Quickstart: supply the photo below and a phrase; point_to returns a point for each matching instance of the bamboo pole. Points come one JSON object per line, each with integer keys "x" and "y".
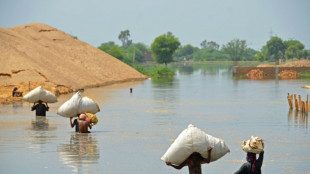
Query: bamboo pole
{"x": 306, "y": 104}
{"x": 299, "y": 102}
{"x": 289, "y": 100}
{"x": 302, "y": 106}
{"x": 296, "y": 105}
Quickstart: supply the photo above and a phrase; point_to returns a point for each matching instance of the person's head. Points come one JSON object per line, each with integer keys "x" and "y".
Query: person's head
{"x": 195, "y": 156}
{"x": 82, "y": 117}
{"x": 40, "y": 101}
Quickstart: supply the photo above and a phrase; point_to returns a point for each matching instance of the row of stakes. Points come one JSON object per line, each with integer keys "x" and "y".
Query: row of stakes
{"x": 302, "y": 106}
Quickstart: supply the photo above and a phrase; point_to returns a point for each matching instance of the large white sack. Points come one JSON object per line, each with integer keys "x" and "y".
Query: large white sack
{"x": 40, "y": 93}
{"x": 254, "y": 145}
{"x": 191, "y": 140}
{"x": 77, "y": 105}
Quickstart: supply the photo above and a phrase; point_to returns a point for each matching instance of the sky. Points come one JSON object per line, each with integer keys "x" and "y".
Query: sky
{"x": 99, "y": 21}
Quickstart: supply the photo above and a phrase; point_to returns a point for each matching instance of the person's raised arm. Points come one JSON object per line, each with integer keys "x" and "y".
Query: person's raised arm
{"x": 72, "y": 125}
{"x": 259, "y": 161}
{"x": 47, "y": 107}
{"x": 179, "y": 166}
{"x": 33, "y": 106}
{"x": 209, "y": 156}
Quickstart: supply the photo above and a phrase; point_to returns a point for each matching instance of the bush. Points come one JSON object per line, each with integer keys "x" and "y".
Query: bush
{"x": 155, "y": 71}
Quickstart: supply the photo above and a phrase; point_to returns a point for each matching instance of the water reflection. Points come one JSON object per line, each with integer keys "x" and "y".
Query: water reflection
{"x": 80, "y": 153}
{"x": 163, "y": 82}
{"x": 40, "y": 123}
{"x": 16, "y": 107}
{"x": 186, "y": 69}
{"x": 300, "y": 119}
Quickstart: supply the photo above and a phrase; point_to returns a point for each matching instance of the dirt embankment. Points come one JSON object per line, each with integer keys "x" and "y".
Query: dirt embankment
{"x": 38, "y": 54}
{"x": 298, "y": 63}
{"x": 288, "y": 70}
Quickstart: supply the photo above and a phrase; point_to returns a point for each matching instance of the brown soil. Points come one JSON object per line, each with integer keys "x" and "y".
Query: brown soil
{"x": 297, "y": 63}
{"x": 256, "y": 74}
{"x": 43, "y": 55}
{"x": 288, "y": 74}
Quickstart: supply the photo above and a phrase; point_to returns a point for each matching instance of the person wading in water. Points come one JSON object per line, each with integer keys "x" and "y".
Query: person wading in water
{"x": 193, "y": 162}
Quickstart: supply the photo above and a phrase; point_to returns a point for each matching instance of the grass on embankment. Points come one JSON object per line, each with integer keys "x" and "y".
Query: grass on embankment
{"x": 155, "y": 71}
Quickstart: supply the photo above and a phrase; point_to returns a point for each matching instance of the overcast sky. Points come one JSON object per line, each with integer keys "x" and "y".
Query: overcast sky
{"x": 99, "y": 21}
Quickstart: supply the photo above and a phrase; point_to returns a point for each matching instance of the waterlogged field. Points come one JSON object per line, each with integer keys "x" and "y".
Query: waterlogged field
{"x": 135, "y": 129}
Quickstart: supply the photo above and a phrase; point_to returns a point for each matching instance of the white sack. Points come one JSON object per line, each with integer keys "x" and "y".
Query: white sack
{"x": 193, "y": 140}
{"x": 254, "y": 145}
{"x": 77, "y": 105}
{"x": 40, "y": 93}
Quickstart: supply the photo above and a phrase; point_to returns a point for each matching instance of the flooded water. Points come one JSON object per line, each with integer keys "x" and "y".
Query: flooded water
{"x": 135, "y": 129}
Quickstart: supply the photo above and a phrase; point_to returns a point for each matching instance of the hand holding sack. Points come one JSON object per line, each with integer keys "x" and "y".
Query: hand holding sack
{"x": 77, "y": 105}
{"x": 191, "y": 140}
{"x": 40, "y": 93}
{"x": 254, "y": 145}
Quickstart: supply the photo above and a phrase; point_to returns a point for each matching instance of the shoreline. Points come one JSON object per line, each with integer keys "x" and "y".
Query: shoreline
{"x": 6, "y": 91}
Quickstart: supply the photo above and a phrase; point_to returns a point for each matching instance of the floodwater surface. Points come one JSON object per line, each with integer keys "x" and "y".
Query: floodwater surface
{"x": 135, "y": 129}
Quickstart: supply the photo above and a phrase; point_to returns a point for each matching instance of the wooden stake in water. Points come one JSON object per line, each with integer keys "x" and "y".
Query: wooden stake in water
{"x": 296, "y": 105}
{"x": 289, "y": 100}
{"x": 306, "y": 105}
{"x": 299, "y": 102}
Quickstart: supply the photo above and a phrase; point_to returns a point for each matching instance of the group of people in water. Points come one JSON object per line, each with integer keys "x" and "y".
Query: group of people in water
{"x": 194, "y": 161}
{"x": 81, "y": 124}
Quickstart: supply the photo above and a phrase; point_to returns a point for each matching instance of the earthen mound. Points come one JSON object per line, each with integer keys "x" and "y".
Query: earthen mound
{"x": 256, "y": 74}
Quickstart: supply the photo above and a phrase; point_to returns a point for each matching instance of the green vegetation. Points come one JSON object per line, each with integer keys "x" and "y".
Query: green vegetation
{"x": 134, "y": 53}
{"x": 155, "y": 71}
{"x": 235, "y": 49}
{"x": 276, "y": 49}
{"x": 166, "y": 48}
{"x": 304, "y": 74}
{"x": 163, "y": 48}
{"x": 124, "y": 38}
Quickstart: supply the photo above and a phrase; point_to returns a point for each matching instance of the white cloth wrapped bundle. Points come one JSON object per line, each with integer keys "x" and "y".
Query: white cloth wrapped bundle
{"x": 40, "y": 93}
{"x": 77, "y": 105}
{"x": 193, "y": 140}
{"x": 254, "y": 145}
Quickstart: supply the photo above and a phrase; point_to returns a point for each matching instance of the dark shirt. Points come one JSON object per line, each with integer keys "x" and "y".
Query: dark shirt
{"x": 76, "y": 123}
{"x": 40, "y": 109}
{"x": 246, "y": 167}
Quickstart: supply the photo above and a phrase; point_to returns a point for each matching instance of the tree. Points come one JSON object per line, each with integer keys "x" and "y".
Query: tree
{"x": 112, "y": 49}
{"x": 249, "y": 54}
{"x": 276, "y": 48}
{"x": 235, "y": 49}
{"x": 294, "y": 49}
{"x": 206, "y": 45}
{"x": 106, "y": 47}
{"x": 117, "y": 52}
{"x": 124, "y": 38}
{"x": 136, "y": 52}
{"x": 203, "y": 44}
{"x": 185, "y": 51}
{"x": 260, "y": 56}
{"x": 163, "y": 48}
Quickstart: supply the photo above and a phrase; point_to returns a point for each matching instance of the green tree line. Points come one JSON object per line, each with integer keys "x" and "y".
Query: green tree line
{"x": 167, "y": 48}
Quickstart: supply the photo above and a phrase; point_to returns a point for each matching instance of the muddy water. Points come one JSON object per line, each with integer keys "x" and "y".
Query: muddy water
{"x": 135, "y": 129}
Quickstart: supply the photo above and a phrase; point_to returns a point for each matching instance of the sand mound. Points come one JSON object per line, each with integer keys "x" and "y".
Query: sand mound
{"x": 288, "y": 74}
{"x": 42, "y": 54}
{"x": 256, "y": 74}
